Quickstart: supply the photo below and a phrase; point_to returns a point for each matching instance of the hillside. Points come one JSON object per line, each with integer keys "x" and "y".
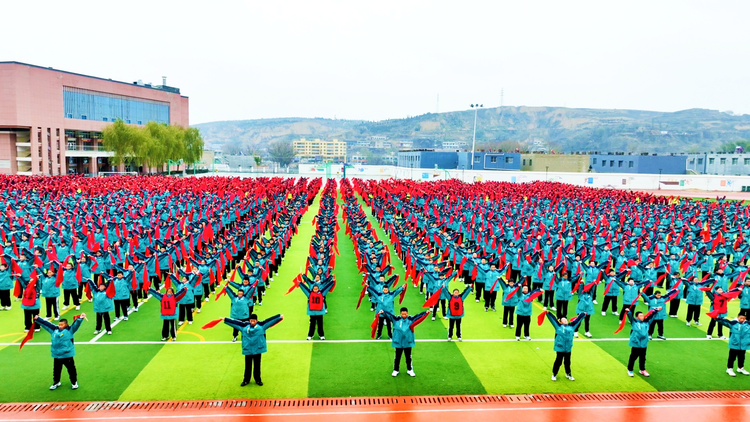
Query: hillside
{"x": 563, "y": 129}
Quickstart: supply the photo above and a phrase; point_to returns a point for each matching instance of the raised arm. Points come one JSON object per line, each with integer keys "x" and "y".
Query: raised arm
{"x": 271, "y": 322}
{"x": 578, "y": 320}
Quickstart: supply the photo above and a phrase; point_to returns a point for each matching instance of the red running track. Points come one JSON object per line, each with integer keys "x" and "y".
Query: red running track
{"x": 683, "y": 407}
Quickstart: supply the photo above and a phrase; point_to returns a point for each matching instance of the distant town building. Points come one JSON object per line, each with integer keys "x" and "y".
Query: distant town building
{"x": 574, "y": 163}
{"x": 637, "y": 163}
{"x": 490, "y": 161}
{"x": 358, "y": 159}
{"x": 406, "y": 144}
{"x": 317, "y": 150}
{"x": 454, "y": 145}
{"x": 723, "y": 164}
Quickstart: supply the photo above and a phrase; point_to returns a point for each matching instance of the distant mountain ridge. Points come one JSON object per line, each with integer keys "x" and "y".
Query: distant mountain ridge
{"x": 564, "y": 129}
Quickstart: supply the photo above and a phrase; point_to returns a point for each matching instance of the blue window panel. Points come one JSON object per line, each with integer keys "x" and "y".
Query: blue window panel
{"x": 91, "y": 105}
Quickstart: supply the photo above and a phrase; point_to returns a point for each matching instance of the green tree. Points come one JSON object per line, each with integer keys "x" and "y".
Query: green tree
{"x": 281, "y": 152}
{"x": 257, "y": 159}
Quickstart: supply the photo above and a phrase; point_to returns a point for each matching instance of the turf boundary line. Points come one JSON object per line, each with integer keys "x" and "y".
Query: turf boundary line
{"x": 121, "y": 416}
{"x": 428, "y": 340}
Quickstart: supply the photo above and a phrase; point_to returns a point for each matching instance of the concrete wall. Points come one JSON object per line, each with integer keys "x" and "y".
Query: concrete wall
{"x": 596, "y": 180}
{"x": 555, "y": 162}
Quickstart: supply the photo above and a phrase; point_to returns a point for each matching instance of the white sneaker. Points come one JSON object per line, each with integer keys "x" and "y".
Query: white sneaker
{"x": 433, "y": 318}
{"x": 528, "y": 338}
{"x": 235, "y": 339}
{"x": 96, "y": 332}
{"x": 206, "y": 300}
{"x": 54, "y": 386}
{"x": 461, "y": 340}
{"x": 553, "y": 308}
{"x": 688, "y": 323}
{"x": 554, "y": 378}
{"x": 323, "y": 338}
{"x": 74, "y": 386}
{"x": 199, "y": 310}
{"x": 588, "y": 334}
{"x": 604, "y": 314}
{"x": 596, "y": 303}
{"x": 709, "y": 337}
{"x": 720, "y": 338}
{"x": 190, "y": 322}
{"x": 394, "y": 373}
{"x": 450, "y": 339}
{"x": 163, "y": 339}
{"x": 411, "y": 373}
{"x": 477, "y": 300}
{"x": 109, "y": 333}
{"x": 181, "y": 322}
{"x": 630, "y": 374}
{"x": 124, "y": 318}
{"x": 731, "y": 372}
{"x": 616, "y": 313}
{"x": 575, "y": 335}
{"x": 78, "y": 308}
{"x": 57, "y": 318}
{"x": 309, "y": 338}
{"x": 698, "y": 324}
{"x": 504, "y": 325}
{"x": 743, "y": 371}
{"x": 518, "y": 338}
{"x": 570, "y": 377}
{"x": 544, "y": 309}
{"x": 445, "y": 317}
{"x": 135, "y": 309}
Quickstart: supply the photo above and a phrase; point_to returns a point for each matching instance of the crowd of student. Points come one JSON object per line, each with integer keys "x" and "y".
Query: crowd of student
{"x": 122, "y": 240}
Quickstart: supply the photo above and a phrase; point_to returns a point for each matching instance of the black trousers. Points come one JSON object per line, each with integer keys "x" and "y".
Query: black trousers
{"x": 252, "y": 365}
{"x": 515, "y": 274}
{"x": 186, "y": 310}
{"x": 736, "y": 354}
{"x": 168, "y": 329}
{"x": 260, "y": 291}
{"x": 383, "y": 320}
{"x": 28, "y": 318}
{"x": 479, "y": 288}
{"x": 694, "y": 313}
{"x": 198, "y": 301}
{"x": 68, "y": 293}
{"x": 206, "y": 290}
{"x": 674, "y": 306}
{"x": 549, "y": 298}
{"x": 407, "y": 355}
{"x": 51, "y": 306}
{"x": 585, "y": 324}
{"x": 236, "y": 331}
{"x": 562, "y": 358}
{"x": 489, "y": 299}
{"x": 5, "y": 298}
{"x": 562, "y": 308}
{"x": 523, "y": 321}
{"x": 135, "y": 295}
{"x": 711, "y": 326}
{"x": 454, "y": 323}
{"x": 103, "y": 316}
{"x": 637, "y": 353}
{"x": 537, "y": 286}
{"x": 435, "y": 308}
{"x": 79, "y": 291}
{"x": 508, "y": 315}
{"x": 121, "y": 305}
{"x": 609, "y": 300}
{"x": 624, "y": 307}
{"x": 69, "y": 365}
{"x": 316, "y": 320}
{"x": 745, "y": 312}
{"x": 657, "y": 323}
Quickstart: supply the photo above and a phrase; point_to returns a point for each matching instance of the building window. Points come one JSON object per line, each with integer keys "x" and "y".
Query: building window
{"x": 476, "y": 158}
{"x": 630, "y": 164}
{"x": 493, "y": 159}
{"x": 619, "y": 163}
{"x": 97, "y": 105}
{"x": 69, "y": 115}
{"x": 83, "y": 117}
{"x": 747, "y": 161}
{"x": 611, "y": 163}
{"x": 524, "y": 161}
{"x": 604, "y": 163}
{"x": 127, "y": 121}
{"x": 692, "y": 161}
{"x": 104, "y": 119}
{"x": 529, "y": 161}
{"x": 735, "y": 161}
{"x": 509, "y": 160}
{"x": 700, "y": 161}
{"x": 140, "y": 122}
{"x": 723, "y": 161}
{"x": 593, "y": 160}
{"x": 711, "y": 160}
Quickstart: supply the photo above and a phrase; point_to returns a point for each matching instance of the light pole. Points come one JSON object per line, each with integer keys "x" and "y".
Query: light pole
{"x": 659, "y": 187}
{"x": 546, "y": 170}
{"x": 474, "y": 137}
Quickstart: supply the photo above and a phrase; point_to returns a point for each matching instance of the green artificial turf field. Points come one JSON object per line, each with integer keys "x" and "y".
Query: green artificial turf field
{"x": 133, "y": 365}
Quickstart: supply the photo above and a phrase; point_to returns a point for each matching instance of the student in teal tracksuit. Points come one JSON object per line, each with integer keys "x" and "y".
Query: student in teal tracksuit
{"x": 103, "y": 305}
{"x": 455, "y": 309}
{"x": 639, "y": 327}
{"x": 383, "y": 301}
{"x": 745, "y": 299}
{"x": 253, "y": 343}
{"x": 631, "y": 291}
{"x": 523, "y": 312}
{"x": 585, "y": 305}
{"x": 658, "y": 304}
{"x": 123, "y": 292}
{"x": 240, "y": 309}
{"x": 612, "y": 293}
{"x": 694, "y": 298}
{"x": 491, "y": 287}
{"x": 50, "y": 293}
{"x": 563, "y": 295}
{"x": 739, "y": 342}
{"x": 403, "y": 337}
{"x": 563, "y": 343}
{"x": 63, "y": 348}
{"x": 510, "y": 300}
{"x": 316, "y": 307}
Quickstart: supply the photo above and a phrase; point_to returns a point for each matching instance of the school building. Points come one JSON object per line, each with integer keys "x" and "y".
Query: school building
{"x": 51, "y": 121}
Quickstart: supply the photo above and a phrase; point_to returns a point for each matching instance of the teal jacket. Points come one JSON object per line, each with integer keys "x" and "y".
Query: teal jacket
{"x": 102, "y": 302}
{"x": 6, "y": 281}
{"x": 523, "y": 308}
{"x": 654, "y": 303}
{"x": 253, "y": 336}
{"x": 745, "y": 298}
{"x": 49, "y": 289}
{"x": 639, "y": 330}
{"x": 323, "y": 290}
{"x": 509, "y": 300}
{"x": 564, "y": 333}
{"x": 240, "y": 305}
{"x": 63, "y": 341}
{"x": 159, "y": 297}
{"x": 563, "y": 289}
{"x": 384, "y": 301}
{"x": 446, "y": 294}
{"x": 739, "y": 333}
{"x": 403, "y": 329}
{"x": 123, "y": 286}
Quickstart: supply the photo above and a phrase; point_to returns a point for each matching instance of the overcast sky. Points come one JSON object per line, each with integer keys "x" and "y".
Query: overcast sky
{"x": 389, "y": 59}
